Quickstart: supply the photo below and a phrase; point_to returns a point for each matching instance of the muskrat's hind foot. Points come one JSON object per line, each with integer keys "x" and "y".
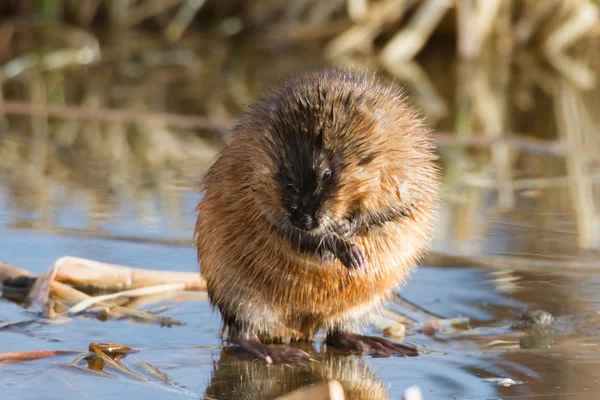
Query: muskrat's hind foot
{"x": 370, "y": 344}
{"x": 351, "y": 256}
{"x": 251, "y": 343}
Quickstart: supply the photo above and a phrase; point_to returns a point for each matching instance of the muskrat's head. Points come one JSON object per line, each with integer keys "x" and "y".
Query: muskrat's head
{"x": 306, "y": 176}
{"x": 333, "y": 145}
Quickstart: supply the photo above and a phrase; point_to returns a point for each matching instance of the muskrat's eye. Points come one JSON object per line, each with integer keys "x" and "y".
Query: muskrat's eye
{"x": 326, "y": 175}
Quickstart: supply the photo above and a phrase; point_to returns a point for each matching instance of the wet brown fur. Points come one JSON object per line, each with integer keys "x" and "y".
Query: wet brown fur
{"x": 388, "y": 180}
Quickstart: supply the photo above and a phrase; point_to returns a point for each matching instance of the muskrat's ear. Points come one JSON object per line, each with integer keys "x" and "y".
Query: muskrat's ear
{"x": 319, "y": 141}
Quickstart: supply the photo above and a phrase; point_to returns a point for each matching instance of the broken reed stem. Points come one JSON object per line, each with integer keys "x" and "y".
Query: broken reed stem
{"x": 21, "y": 356}
{"x": 8, "y": 271}
{"x": 69, "y": 268}
{"x": 73, "y": 296}
{"x": 409, "y": 41}
{"x": 80, "y": 271}
{"x": 145, "y": 291}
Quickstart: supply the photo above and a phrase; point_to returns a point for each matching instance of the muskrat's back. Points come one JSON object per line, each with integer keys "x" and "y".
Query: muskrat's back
{"x": 330, "y": 157}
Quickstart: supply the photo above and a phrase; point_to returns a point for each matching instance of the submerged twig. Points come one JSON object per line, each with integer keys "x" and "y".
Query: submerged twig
{"x": 21, "y": 356}
{"x": 152, "y": 370}
{"x": 98, "y": 350}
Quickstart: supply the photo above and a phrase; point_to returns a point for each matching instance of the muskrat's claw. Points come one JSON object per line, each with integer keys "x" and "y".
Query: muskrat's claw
{"x": 352, "y": 256}
{"x": 375, "y": 345}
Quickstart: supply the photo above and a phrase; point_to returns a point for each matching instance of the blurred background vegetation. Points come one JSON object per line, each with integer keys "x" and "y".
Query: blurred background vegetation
{"x": 108, "y": 99}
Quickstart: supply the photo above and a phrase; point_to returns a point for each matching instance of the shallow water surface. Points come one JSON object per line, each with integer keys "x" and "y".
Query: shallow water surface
{"x": 460, "y": 362}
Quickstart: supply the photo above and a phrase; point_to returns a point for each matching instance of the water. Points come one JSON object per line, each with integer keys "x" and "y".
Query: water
{"x": 65, "y": 193}
{"x": 458, "y": 363}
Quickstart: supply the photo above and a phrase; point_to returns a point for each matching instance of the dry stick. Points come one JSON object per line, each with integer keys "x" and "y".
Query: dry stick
{"x": 357, "y": 9}
{"x": 410, "y": 40}
{"x": 111, "y": 115}
{"x": 361, "y": 35}
{"x": 85, "y": 304}
{"x": 182, "y": 19}
{"x": 173, "y": 297}
{"x": 580, "y": 23}
{"x": 20, "y": 356}
{"x": 39, "y": 295}
{"x": 475, "y": 24}
{"x": 570, "y": 31}
{"x": 72, "y": 296}
{"x": 80, "y": 271}
{"x": 485, "y": 16}
{"x": 10, "y": 271}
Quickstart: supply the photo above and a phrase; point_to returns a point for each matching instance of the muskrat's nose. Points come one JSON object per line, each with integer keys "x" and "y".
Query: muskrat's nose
{"x": 302, "y": 220}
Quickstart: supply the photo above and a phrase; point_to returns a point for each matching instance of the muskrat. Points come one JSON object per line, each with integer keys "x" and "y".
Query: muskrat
{"x": 315, "y": 212}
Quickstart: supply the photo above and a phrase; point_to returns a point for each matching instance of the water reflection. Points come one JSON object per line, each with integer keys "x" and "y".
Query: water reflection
{"x": 254, "y": 381}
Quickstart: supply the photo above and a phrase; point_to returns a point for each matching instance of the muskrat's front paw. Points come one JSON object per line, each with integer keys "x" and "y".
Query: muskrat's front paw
{"x": 352, "y": 256}
{"x": 346, "y": 228}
